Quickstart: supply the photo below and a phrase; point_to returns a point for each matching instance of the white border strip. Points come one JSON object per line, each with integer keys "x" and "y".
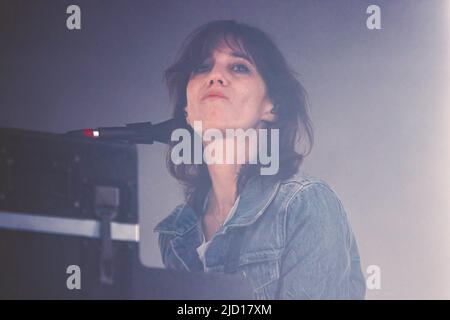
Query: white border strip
{"x": 66, "y": 226}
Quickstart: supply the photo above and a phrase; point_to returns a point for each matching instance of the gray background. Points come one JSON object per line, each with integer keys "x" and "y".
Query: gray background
{"x": 379, "y": 100}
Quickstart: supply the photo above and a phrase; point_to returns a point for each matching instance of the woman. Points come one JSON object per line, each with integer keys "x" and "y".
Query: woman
{"x": 286, "y": 232}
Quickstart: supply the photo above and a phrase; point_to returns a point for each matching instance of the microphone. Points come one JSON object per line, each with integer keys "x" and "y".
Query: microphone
{"x": 140, "y": 132}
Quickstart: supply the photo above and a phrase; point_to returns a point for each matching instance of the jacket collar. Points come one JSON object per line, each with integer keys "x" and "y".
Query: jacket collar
{"x": 254, "y": 199}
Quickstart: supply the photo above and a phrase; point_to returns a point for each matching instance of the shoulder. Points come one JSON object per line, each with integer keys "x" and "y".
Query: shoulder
{"x": 304, "y": 185}
{"x": 170, "y": 224}
{"x": 310, "y": 202}
{"x": 302, "y": 181}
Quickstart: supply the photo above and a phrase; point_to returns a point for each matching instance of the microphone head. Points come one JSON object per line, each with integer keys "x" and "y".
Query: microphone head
{"x": 163, "y": 130}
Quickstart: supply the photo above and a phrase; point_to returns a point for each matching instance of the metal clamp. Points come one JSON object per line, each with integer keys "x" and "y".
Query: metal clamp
{"x": 107, "y": 201}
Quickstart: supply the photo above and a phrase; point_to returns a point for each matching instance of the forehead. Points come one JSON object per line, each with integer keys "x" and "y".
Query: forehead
{"x": 232, "y": 50}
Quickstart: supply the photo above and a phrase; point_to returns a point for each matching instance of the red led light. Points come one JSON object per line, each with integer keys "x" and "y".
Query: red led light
{"x": 88, "y": 133}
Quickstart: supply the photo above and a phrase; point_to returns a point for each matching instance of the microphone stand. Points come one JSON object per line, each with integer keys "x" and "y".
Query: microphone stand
{"x": 138, "y": 133}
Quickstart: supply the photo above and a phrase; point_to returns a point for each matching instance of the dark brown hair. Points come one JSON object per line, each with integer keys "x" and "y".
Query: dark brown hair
{"x": 283, "y": 88}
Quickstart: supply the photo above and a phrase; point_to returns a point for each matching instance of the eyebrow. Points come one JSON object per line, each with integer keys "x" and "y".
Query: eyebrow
{"x": 238, "y": 54}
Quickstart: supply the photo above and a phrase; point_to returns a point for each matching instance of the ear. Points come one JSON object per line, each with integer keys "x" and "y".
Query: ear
{"x": 267, "y": 108}
{"x": 186, "y": 115}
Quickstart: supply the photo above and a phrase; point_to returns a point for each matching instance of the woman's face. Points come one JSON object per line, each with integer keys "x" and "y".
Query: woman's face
{"x": 227, "y": 92}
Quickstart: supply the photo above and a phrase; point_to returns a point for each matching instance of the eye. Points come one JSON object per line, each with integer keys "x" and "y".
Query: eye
{"x": 204, "y": 67}
{"x": 241, "y": 68}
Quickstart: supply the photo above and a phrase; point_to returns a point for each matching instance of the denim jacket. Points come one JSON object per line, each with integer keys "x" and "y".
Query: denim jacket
{"x": 297, "y": 242}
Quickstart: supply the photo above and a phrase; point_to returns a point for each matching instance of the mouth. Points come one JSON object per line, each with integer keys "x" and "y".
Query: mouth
{"x": 213, "y": 96}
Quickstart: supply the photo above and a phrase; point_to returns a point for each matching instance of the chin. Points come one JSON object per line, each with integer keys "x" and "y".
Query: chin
{"x": 218, "y": 123}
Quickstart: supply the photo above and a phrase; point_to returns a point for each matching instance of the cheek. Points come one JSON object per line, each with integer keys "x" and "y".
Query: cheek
{"x": 251, "y": 101}
{"x": 191, "y": 98}
{"x": 190, "y": 92}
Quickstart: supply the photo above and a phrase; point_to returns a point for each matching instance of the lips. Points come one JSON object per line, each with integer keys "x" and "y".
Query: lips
{"x": 214, "y": 94}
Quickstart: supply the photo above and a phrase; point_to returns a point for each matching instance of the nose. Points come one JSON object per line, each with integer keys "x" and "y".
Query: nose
{"x": 217, "y": 76}
{"x": 211, "y": 82}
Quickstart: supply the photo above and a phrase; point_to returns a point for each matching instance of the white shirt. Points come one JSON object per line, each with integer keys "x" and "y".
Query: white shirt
{"x": 204, "y": 246}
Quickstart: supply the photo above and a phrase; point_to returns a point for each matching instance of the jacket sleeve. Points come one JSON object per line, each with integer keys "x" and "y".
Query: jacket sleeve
{"x": 164, "y": 243}
{"x": 321, "y": 259}
{"x": 167, "y": 256}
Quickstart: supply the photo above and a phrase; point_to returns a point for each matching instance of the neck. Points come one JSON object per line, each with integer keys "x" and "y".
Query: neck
{"x": 224, "y": 187}
{"x": 224, "y": 176}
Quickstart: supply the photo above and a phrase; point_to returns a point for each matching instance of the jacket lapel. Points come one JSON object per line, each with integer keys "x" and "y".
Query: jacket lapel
{"x": 186, "y": 225}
